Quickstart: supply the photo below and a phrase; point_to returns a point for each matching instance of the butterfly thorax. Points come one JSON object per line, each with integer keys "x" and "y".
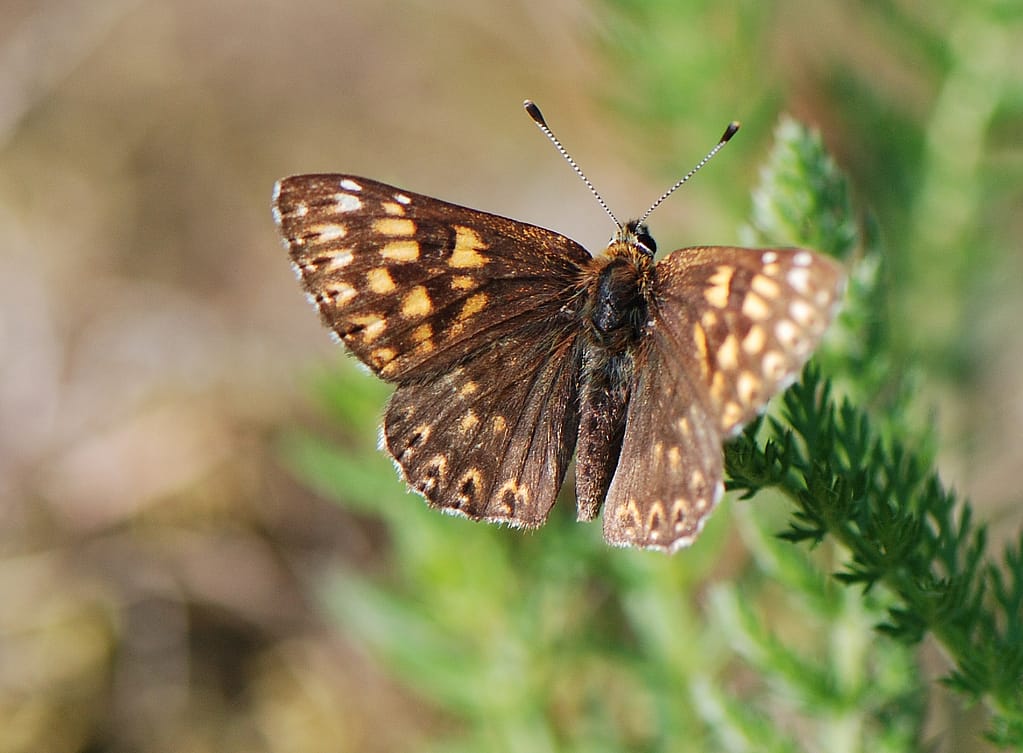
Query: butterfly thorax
{"x": 615, "y": 313}
{"x": 617, "y": 304}
{"x": 618, "y": 287}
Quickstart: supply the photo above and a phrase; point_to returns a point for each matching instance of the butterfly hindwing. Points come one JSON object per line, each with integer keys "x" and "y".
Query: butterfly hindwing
{"x": 411, "y": 284}
{"x": 668, "y": 477}
{"x": 491, "y": 439}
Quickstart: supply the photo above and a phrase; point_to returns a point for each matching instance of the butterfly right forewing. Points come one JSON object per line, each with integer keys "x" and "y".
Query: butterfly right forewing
{"x": 741, "y": 322}
{"x": 728, "y": 328}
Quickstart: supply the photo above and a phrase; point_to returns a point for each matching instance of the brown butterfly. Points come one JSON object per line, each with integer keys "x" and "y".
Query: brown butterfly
{"x": 511, "y": 347}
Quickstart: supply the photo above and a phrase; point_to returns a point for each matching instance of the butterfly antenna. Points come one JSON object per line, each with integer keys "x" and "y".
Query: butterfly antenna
{"x": 537, "y": 116}
{"x": 729, "y": 132}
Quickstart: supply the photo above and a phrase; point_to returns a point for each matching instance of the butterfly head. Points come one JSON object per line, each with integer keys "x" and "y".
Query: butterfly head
{"x": 636, "y": 234}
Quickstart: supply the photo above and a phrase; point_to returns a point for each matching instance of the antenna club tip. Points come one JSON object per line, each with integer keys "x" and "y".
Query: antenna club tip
{"x": 534, "y": 112}
{"x": 732, "y": 129}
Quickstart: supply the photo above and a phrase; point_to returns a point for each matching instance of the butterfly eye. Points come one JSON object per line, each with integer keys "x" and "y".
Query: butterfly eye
{"x": 646, "y": 241}
{"x": 639, "y": 234}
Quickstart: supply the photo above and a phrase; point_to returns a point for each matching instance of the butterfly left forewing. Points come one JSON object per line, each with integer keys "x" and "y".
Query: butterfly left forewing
{"x": 411, "y": 284}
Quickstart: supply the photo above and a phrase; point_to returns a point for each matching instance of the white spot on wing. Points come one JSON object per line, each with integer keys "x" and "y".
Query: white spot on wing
{"x": 786, "y": 333}
{"x": 773, "y": 365}
{"x": 802, "y": 259}
{"x": 343, "y": 293}
{"x": 350, "y": 185}
{"x": 802, "y": 312}
{"x": 402, "y": 198}
{"x": 342, "y": 259}
{"x": 799, "y": 279}
{"x": 332, "y": 232}
{"x": 347, "y": 203}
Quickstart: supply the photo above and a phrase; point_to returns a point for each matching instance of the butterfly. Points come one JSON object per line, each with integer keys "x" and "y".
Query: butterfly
{"x": 513, "y": 348}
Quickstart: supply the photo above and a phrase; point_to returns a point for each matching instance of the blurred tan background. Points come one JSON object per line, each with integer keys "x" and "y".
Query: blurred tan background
{"x": 156, "y": 563}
